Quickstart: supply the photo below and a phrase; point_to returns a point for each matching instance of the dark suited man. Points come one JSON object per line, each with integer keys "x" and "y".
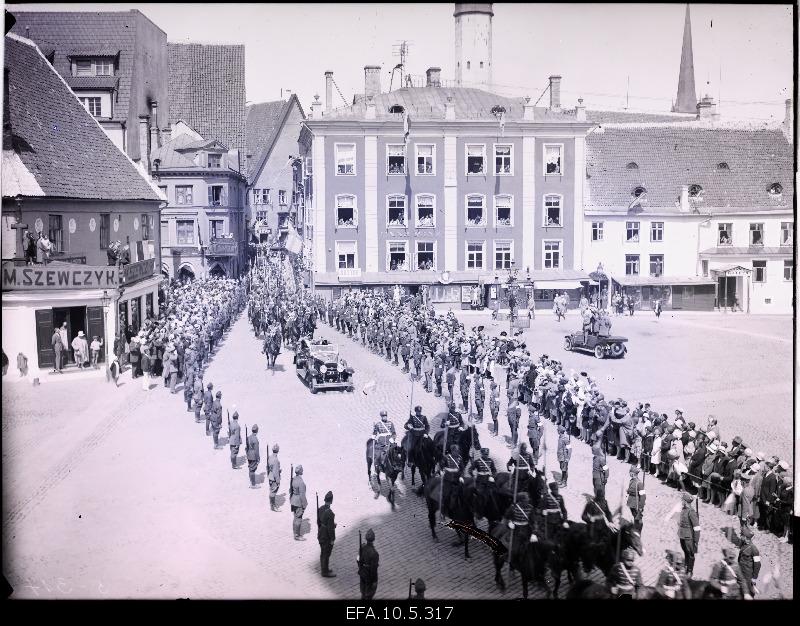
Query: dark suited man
{"x": 326, "y": 535}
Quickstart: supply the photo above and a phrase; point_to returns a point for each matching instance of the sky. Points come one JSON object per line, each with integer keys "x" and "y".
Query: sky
{"x": 612, "y": 55}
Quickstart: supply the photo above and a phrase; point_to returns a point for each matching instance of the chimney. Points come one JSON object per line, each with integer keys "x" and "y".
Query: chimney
{"x": 684, "y": 205}
{"x": 371, "y": 112}
{"x": 433, "y": 77}
{"x": 788, "y": 122}
{"x": 166, "y": 135}
{"x": 527, "y": 109}
{"x": 328, "y": 90}
{"x": 154, "y": 138}
{"x": 706, "y": 108}
{"x": 315, "y": 108}
{"x": 580, "y": 111}
{"x": 555, "y": 93}
{"x": 372, "y": 80}
{"x": 144, "y": 142}
{"x": 449, "y": 109}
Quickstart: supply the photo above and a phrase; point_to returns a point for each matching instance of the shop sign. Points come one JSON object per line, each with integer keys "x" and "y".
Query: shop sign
{"x": 62, "y": 276}
{"x": 134, "y": 272}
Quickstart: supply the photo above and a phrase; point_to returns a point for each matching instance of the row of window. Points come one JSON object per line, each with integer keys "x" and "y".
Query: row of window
{"x": 55, "y": 230}
{"x": 184, "y": 194}
{"x": 398, "y": 258}
{"x": 185, "y": 231}
{"x": 475, "y": 161}
{"x": 725, "y": 234}
{"x": 656, "y": 265}
{"x": 425, "y": 210}
{"x": 631, "y": 231}
{"x": 264, "y": 196}
{"x": 760, "y": 271}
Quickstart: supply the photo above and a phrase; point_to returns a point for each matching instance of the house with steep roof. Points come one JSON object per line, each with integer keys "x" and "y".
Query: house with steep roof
{"x": 696, "y": 214}
{"x": 69, "y": 194}
{"x": 203, "y": 230}
{"x": 278, "y": 157}
{"x": 116, "y": 62}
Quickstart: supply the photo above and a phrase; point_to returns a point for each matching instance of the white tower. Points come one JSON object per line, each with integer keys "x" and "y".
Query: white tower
{"x": 474, "y": 45}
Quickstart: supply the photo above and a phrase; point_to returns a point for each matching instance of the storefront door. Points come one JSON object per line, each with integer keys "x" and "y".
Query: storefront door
{"x": 727, "y": 291}
{"x": 88, "y": 319}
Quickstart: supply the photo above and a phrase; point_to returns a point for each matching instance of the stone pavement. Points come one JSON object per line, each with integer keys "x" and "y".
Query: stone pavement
{"x": 118, "y": 492}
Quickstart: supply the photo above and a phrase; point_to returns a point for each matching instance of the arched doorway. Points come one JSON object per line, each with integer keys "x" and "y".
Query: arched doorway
{"x": 186, "y": 273}
{"x": 217, "y": 271}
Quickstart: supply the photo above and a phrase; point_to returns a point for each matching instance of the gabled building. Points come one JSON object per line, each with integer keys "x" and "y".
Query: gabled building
{"x": 63, "y": 177}
{"x": 203, "y": 227}
{"x": 278, "y": 153}
{"x": 116, "y": 63}
{"x": 698, "y": 214}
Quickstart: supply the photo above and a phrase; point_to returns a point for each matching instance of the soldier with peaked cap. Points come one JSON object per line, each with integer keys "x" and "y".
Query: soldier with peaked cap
{"x": 673, "y": 582}
{"x": 234, "y": 438}
{"x": 253, "y": 456}
{"x": 749, "y": 562}
{"x": 689, "y": 532}
{"x": 197, "y": 396}
{"x": 274, "y": 476}
{"x": 208, "y": 403}
{"x": 563, "y": 454}
{"x": 417, "y": 427}
{"x": 636, "y": 498}
{"x": 494, "y": 405}
{"x": 383, "y": 433}
{"x": 726, "y": 577}
{"x": 368, "y": 567}
{"x": 216, "y": 420}
{"x": 625, "y": 578}
{"x": 298, "y": 502}
{"x": 326, "y": 535}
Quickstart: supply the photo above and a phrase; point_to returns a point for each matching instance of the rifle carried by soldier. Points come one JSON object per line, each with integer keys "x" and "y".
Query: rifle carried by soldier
{"x": 246, "y": 440}
{"x": 360, "y": 553}
{"x": 291, "y": 479}
{"x": 229, "y": 423}
{"x": 410, "y": 586}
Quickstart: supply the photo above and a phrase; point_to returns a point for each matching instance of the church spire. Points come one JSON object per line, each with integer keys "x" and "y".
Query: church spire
{"x": 686, "y": 100}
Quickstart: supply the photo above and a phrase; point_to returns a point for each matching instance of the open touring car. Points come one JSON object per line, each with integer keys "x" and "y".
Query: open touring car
{"x": 601, "y": 346}
{"x": 318, "y": 365}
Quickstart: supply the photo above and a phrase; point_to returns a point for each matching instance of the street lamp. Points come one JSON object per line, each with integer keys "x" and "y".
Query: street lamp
{"x": 105, "y": 300}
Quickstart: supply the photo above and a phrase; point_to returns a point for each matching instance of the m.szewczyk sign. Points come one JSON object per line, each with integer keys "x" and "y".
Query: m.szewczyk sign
{"x": 52, "y": 277}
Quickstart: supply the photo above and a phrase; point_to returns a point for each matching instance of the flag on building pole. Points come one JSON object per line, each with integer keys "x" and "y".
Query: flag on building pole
{"x": 199, "y": 238}
{"x": 637, "y": 201}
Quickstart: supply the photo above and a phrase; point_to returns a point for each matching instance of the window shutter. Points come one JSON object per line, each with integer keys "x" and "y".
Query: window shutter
{"x": 96, "y": 326}
{"x": 44, "y": 333}
{"x": 210, "y": 196}
{"x": 224, "y": 197}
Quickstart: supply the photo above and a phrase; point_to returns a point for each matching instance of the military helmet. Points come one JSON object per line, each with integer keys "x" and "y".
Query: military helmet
{"x": 370, "y": 536}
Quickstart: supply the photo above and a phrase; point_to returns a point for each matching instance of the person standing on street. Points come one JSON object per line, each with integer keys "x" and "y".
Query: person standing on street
{"x": 298, "y": 502}
{"x": 494, "y": 405}
{"x": 599, "y": 475}
{"x": 689, "y": 532}
{"x": 564, "y": 453}
{"x": 253, "y": 456}
{"x": 326, "y": 535}
{"x": 636, "y": 498}
{"x": 216, "y": 420}
{"x": 513, "y": 413}
{"x": 208, "y": 403}
{"x": 368, "y": 562}
{"x": 58, "y": 349}
{"x": 749, "y": 562}
{"x": 274, "y": 476}
{"x": 197, "y": 396}
{"x": 234, "y": 439}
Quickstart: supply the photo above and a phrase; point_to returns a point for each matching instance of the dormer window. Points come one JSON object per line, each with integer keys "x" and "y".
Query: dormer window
{"x": 723, "y": 167}
{"x": 214, "y": 160}
{"x": 695, "y": 191}
{"x": 93, "y": 67}
{"x": 397, "y": 108}
{"x": 638, "y": 191}
{"x": 632, "y": 166}
{"x": 775, "y": 190}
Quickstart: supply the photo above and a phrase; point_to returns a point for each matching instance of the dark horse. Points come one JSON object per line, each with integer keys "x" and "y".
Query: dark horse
{"x": 272, "y": 348}
{"x": 391, "y": 465}
{"x": 586, "y": 589}
{"x": 456, "y": 507}
{"x": 421, "y": 457}
{"x": 465, "y": 439}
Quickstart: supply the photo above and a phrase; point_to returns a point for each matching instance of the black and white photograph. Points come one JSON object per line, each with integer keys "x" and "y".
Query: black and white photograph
{"x": 397, "y": 305}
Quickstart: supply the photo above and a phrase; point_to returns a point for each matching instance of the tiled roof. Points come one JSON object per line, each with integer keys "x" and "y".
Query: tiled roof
{"x": 57, "y": 140}
{"x": 263, "y": 125}
{"x": 92, "y": 51}
{"x": 207, "y": 91}
{"x": 749, "y": 251}
{"x": 170, "y": 158}
{"x": 429, "y": 103}
{"x": 671, "y": 155}
{"x": 92, "y": 82}
{"x": 85, "y": 32}
{"x": 610, "y": 117}
{"x": 200, "y": 143}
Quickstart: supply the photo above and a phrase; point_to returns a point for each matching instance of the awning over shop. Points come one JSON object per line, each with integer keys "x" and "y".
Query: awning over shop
{"x": 557, "y": 284}
{"x": 644, "y": 281}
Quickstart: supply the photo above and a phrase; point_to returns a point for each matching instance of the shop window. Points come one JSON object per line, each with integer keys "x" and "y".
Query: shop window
{"x": 503, "y": 255}
{"x": 396, "y": 210}
{"x": 425, "y": 255}
{"x": 398, "y": 256}
{"x": 552, "y": 255}
{"x": 425, "y": 211}
{"x": 787, "y": 233}
{"x": 476, "y": 158}
{"x": 597, "y": 231}
{"x": 632, "y": 232}
{"x": 502, "y": 160}
{"x": 656, "y": 265}
{"x": 395, "y": 159}
{"x": 476, "y": 214}
{"x": 346, "y": 211}
{"x": 552, "y": 210}
{"x": 504, "y": 210}
{"x": 475, "y": 255}
{"x": 184, "y": 232}
{"x": 657, "y": 231}
{"x": 756, "y": 234}
{"x": 425, "y": 159}
{"x": 345, "y": 159}
{"x": 552, "y": 160}
{"x": 631, "y": 264}
{"x": 725, "y": 231}
{"x": 760, "y": 271}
